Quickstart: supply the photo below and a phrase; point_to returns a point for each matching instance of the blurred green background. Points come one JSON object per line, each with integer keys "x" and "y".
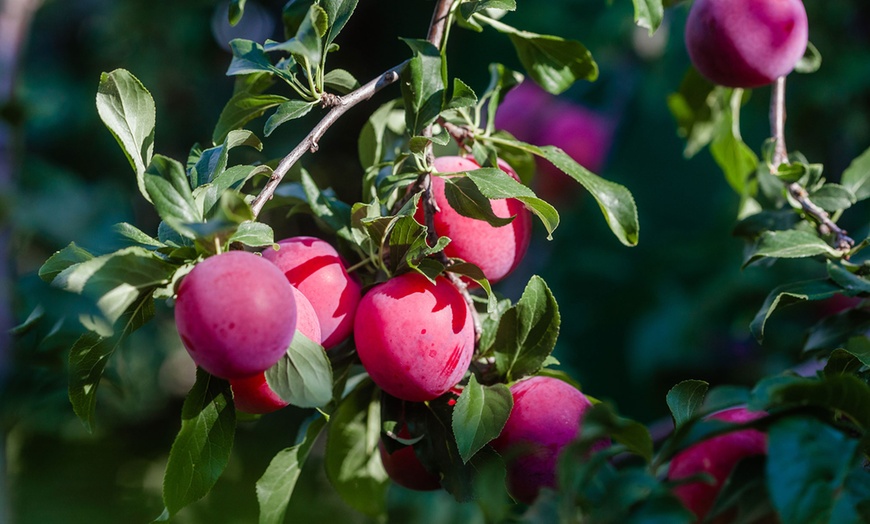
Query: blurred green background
{"x": 634, "y": 320}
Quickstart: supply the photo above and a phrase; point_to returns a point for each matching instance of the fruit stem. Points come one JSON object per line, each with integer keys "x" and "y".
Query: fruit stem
{"x": 797, "y": 192}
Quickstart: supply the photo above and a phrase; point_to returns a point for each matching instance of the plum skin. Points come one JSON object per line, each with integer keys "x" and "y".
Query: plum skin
{"x": 315, "y": 268}
{"x": 234, "y": 314}
{"x": 546, "y": 416}
{"x": 716, "y": 456}
{"x": 414, "y": 338}
{"x": 253, "y": 394}
{"x": 495, "y": 250}
{"x": 406, "y": 470}
{"x": 746, "y": 43}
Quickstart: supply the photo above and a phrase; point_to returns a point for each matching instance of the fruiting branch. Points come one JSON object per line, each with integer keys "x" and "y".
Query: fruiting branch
{"x": 797, "y": 192}
{"x": 340, "y": 105}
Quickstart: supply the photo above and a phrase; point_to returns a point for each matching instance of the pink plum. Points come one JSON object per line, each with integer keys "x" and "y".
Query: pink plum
{"x": 414, "y": 338}
{"x": 522, "y": 111}
{"x": 253, "y": 394}
{"x": 546, "y": 416}
{"x": 236, "y": 314}
{"x": 495, "y": 250}
{"x": 717, "y": 457}
{"x": 746, "y": 43}
{"x": 315, "y": 268}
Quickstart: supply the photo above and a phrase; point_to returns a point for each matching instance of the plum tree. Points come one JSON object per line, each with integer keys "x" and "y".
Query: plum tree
{"x": 495, "y": 250}
{"x": 315, "y": 268}
{"x": 546, "y": 416}
{"x": 236, "y": 314}
{"x": 716, "y": 457}
{"x": 746, "y": 43}
{"x": 414, "y": 337}
{"x": 253, "y": 394}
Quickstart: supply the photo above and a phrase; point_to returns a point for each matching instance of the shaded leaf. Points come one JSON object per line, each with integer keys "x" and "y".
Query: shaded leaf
{"x": 241, "y": 109}
{"x": 303, "y": 376}
{"x": 422, "y": 86}
{"x": 289, "y": 110}
{"x": 236, "y": 10}
{"x": 685, "y": 398}
{"x": 479, "y": 416}
{"x": 789, "y": 294}
{"x": 466, "y": 199}
{"x": 856, "y": 177}
{"x": 792, "y": 243}
{"x": 61, "y": 260}
{"x": 494, "y": 184}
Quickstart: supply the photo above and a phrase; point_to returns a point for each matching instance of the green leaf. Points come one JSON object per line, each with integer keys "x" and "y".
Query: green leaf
{"x": 303, "y": 376}
{"x": 849, "y": 281}
{"x": 789, "y": 294}
{"x": 791, "y": 243}
{"x": 276, "y": 485}
{"x": 241, "y": 109}
{"x": 332, "y": 212}
{"x": 734, "y": 157}
{"x": 253, "y": 234}
{"x": 127, "y": 109}
{"x": 501, "y": 81}
{"x": 811, "y": 61}
{"x": 698, "y": 107}
{"x": 338, "y": 12}
{"x": 466, "y": 9}
{"x": 168, "y": 187}
{"x": 90, "y": 354}
{"x": 859, "y": 347}
{"x": 527, "y": 332}
{"x": 463, "y": 196}
{"x": 553, "y": 63}
{"x": 685, "y": 398}
{"x": 845, "y": 394}
{"x": 307, "y": 44}
{"x": 856, "y": 177}
{"x": 469, "y": 270}
{"x": 208, "y": 196}
{"x": 250, "y": 57}
{"x": 601, "y": 422}
{"x": 833, "y": 197}
{"x": 836, "y": 330}
{"x": 340, "y": 80}
{"x": 422, "y": 86}
{"x": 289, "y": 110}
{"x": 115, "y": 281}
{"x": 352, "y": 461}
{"x": 61, "y": 260}
{"x": 494, "y": 184}
{"x": 213, "y": 161}
{"x": 136, "y": 235}
{"x": 236, "y": 10}
{"x": 479, "y": 416}
{"x": 616, "y": 202}
{"x": 808, "y": 464}
{"x": 648, "y": 14}
{"x": 202, "y": 448}
{"x": 462, "y": 96}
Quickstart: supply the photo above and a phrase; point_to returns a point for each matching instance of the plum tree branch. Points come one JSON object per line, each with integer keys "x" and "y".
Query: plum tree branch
{"x": 340, "y": 105}
{"x": 826, "y": 226}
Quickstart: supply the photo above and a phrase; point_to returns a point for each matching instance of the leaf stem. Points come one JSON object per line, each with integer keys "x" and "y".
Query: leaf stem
{"x": 826, "y": 226}
{"x": 310, "y": 142}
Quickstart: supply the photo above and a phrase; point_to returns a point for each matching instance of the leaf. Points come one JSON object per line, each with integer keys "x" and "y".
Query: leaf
{"x": 479, "y": 416}
{"x": 352, "y": 461}
{"x": 90, "y": 354}
{"x": 250, "y": 57}
{"x": 789, "y": 294}
{"x": 236, "y": 10}
{"x": 527, "y": 332}
{"x": 616, "y": 202}
{"x": 340, "y": 80}
{"x": 494, "y": 184}
{"x": 253, "y": 234}
{"x": 791, "y": 243}
{"x": 209, "y": 195}
{"x": 422, "y": 86}
{"x": 648, "y": 14}
{"x": 464, "y": 197}
{"x": 462, "y": 96}
{"x": 808, "y": 464}
{"x": 168, "y": 187}
{"x": 289, "y": 110}
{"x": 845, "y": 394}
{"x": 811, "y": 61}
{"x": 833, "y": 197}
{"x": 856, "y": 177}
{"x": 62, "y": 260}
{"x": 553, "y": 63}
{"x": 602, "y": 422}
{"x": 202, "y": 448}
{"x": 136, "y": 235}
{"x": 834, "y": 331}
{"x": 303, "y": 376}
{"x": 466, "y": 9}
{"x": 734, "y": 157}
{"x": 306, "y": 46}
{"x": 241, "y": 109}
{"x": 338, "y": 12}
{"x": 331, "y": 211}
{"x": 276, "y": 485}
{"x": 698, "y": 107}
{"x": 213, "y": 161}
{"x": 849, "y": 281}
{"x": 127, "y": 109}
{"x": 115, "y": 281}
{"x": 685, "y": 398}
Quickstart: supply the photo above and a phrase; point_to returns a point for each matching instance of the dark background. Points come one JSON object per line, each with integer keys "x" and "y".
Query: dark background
{"x": 634, "y": 320}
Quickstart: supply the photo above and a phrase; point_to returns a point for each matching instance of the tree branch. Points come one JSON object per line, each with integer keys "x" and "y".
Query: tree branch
{"x": 340, "y": 106}
{"x": 826, "y": 226}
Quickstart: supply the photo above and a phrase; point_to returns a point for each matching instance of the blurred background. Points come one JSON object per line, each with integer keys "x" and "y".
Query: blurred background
{"x": 634, "y": 320}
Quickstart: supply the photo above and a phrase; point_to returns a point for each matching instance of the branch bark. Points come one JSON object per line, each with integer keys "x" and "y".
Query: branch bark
{"x": 825, "y": 225}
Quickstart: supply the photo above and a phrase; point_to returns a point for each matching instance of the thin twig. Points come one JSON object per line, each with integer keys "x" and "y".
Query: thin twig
{"x": 797, "y": 192}
{"x": 310, "y": 143}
